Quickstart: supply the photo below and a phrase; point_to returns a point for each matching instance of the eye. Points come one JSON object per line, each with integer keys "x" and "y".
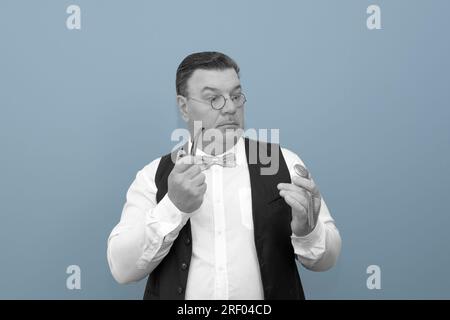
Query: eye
{"x": 235, "y": 97}
{"x": 214, "y": 99}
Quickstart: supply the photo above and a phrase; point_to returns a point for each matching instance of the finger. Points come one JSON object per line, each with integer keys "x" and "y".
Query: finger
{"x": 293, "y": 188}
{"x": 198, "y": 179}
{"x": 193, "y": 171}
{"x": 181, "y": 167}
{"x": 304, "y": 201}
{"x": 301, "y": 200}
{"x": 294, "y": 204}
{"x": 189, "y": 159}
{"x": 186, "y": 162}
{"x": 183, "y": 164}
{"x": 201, "y": 189}
{"x": 307, "y": 184}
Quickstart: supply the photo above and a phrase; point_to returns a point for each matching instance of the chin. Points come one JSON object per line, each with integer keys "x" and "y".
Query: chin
{"x": 232, "y": 133}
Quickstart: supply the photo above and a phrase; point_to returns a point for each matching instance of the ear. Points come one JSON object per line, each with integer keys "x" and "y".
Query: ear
{"x": 182, "y": 104}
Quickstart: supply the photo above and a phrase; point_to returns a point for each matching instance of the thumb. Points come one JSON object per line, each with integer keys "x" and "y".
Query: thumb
{"x": 186, "y": 162}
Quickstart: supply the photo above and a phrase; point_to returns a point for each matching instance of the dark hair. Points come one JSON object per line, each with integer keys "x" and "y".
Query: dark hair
{"x": 208, "y": 60}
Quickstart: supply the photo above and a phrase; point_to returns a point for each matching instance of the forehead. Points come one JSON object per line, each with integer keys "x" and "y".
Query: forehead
{"x": 223, "y": 80}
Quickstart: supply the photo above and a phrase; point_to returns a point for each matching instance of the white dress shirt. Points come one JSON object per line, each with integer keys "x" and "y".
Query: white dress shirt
{"x": 224, "y": 263}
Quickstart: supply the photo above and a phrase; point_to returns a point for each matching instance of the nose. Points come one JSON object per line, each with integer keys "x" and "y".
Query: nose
{"x": 229, "y": 106}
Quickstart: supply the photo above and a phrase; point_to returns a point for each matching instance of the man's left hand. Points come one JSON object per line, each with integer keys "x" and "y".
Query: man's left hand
{"x": 297, "y": 195}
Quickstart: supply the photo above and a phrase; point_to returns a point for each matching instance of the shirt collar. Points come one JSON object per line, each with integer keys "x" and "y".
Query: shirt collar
{"x": 238, "y": 149}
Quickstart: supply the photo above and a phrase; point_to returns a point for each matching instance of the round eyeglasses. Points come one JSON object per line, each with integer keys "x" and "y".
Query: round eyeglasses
{"x": 217, "y": 102}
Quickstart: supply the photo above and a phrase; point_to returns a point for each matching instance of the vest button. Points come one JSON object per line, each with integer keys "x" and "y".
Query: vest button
{"x": 180, "y": 290}
{"x": 187, "y": 241}
{"x": 184, "y": 266}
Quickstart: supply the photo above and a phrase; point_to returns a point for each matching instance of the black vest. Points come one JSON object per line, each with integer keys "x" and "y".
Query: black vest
{"x": 272, "y": 231}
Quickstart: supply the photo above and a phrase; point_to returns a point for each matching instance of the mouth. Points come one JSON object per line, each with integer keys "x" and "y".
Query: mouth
{"x": 228, "y": 125}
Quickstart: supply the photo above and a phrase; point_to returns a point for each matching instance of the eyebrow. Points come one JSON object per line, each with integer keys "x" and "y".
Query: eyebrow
{"x": 217, "y": 90}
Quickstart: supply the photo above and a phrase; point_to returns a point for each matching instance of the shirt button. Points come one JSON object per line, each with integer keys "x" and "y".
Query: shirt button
{"x": 180, "y": 290}
{"x": 187, "y": 241}
{"x": 184, "y": 266}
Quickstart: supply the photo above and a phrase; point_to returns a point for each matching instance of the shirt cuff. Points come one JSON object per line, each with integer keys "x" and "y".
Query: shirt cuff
{"x": 311, "y": 246}
{"x": 166, "y": 217}
{"x": 163, "y": 220}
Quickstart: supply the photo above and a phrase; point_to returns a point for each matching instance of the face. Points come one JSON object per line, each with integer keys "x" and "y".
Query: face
{"x": 201, "y": 87}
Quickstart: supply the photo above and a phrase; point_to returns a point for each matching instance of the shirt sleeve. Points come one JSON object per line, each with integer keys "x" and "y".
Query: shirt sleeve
{"x": 146, "y": 229}
{"x": 318, "y": 250}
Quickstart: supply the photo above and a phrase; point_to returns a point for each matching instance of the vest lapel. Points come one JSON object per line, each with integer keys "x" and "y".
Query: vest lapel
{"x": 271, "y": 223}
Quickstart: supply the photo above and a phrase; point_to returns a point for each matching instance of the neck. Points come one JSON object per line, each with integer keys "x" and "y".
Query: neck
{"x": 217, "y": 146}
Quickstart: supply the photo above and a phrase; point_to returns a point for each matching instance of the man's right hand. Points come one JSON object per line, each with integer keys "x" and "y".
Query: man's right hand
{"x": 186, "y": 185}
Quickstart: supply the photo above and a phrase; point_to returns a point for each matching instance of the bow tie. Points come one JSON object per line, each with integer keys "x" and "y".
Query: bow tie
{"x": 227, "y": 160}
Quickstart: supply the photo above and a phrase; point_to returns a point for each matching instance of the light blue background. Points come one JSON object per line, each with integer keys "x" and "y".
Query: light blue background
{"x": 83, "y": 111}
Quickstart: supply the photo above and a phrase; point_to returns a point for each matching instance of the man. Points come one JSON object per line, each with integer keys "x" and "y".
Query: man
{"x": 218, "y": 228}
